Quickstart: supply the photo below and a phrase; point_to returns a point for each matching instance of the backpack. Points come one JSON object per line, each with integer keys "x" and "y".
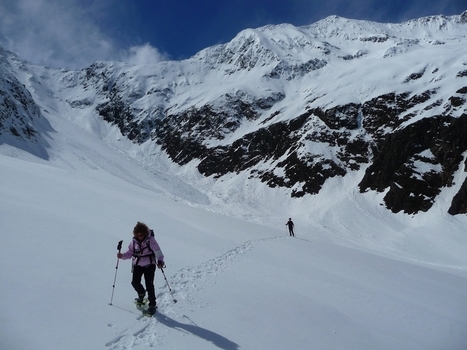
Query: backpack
{"x": 148, "y": 245}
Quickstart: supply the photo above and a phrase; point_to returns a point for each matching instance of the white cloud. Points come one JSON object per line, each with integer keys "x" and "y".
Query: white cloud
{"x": 52, "y": 33}
{"x": 66, "y": 33}
{"x": 144, "y": 54}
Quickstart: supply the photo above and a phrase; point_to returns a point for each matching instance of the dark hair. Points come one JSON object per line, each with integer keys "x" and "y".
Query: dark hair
{"x": 141, "y": 227}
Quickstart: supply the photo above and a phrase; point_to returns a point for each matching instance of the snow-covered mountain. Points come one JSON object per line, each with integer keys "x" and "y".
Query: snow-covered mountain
{"x": 215, "y": 153}
{"x": 293, "y": 107}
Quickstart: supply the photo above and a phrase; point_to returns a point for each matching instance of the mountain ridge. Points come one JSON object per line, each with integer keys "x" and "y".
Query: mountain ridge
{"x": 290, "y": 106}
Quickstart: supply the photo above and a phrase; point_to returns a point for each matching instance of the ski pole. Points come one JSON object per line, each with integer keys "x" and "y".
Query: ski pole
{"x": 119, "y": 248}
{"x": 170, "y": 289}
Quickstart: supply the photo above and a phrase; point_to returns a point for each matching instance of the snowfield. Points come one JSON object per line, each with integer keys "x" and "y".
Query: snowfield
{"x": 355, "y": 276}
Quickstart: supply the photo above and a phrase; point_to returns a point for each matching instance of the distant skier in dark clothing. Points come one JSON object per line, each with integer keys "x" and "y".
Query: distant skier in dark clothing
{"x": 291, "y": 226}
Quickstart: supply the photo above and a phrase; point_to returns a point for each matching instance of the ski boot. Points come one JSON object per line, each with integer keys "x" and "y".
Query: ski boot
{"x": 151, "y": 310}
{"x": 140, "y": 301}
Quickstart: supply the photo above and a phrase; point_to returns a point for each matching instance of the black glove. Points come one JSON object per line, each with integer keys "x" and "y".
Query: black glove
{"x": 160, "y": 264}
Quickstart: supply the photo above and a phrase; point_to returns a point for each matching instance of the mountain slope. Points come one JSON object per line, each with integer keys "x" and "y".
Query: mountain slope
{"x": 239, "y": 284}
{"x": 296, "y": 107}
{"x": 21, "y": 121}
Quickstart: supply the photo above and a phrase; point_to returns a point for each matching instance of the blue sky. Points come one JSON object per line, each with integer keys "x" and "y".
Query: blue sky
{"x": 76, "y": 33}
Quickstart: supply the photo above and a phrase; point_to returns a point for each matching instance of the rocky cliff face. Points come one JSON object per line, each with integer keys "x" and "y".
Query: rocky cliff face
{"x": 295, "y": 107}
{"x": 18, "y": 111}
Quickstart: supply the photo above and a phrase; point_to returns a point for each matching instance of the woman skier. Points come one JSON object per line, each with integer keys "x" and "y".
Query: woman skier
{"x": 146, "y": 253}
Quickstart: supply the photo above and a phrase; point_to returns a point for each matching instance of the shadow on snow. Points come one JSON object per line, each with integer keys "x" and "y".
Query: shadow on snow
{"x": 217, "y": 339}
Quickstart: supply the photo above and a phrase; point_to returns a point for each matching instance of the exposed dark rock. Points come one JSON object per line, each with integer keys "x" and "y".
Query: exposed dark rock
{"x": 397, "y": 165}
{"x": 18, "y": 109}
{"x": 290, "y": 71}
{"x": 375, "y": 38}
{"x": 459, "y": 202}
{"x": 264, "y": 144}
{"x": 415, "y": 76}
{"x": 338, "y": 117}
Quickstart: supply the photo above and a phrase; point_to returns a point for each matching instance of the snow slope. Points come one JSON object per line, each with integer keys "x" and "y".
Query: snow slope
{"x": 355, "y": 277}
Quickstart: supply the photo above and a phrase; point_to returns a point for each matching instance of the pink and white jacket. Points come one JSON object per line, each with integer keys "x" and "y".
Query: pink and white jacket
{"x": 144, "y": 253}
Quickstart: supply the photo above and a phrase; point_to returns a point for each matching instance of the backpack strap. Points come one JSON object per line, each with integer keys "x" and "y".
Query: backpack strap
{"x": 153, "y": 254}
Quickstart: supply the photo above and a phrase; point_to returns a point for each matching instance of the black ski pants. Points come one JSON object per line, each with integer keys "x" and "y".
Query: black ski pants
{"x": 148, "y": 272}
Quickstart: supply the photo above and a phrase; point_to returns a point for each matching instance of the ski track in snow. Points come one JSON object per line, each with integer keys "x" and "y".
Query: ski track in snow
{"x": 150, "y": 332}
